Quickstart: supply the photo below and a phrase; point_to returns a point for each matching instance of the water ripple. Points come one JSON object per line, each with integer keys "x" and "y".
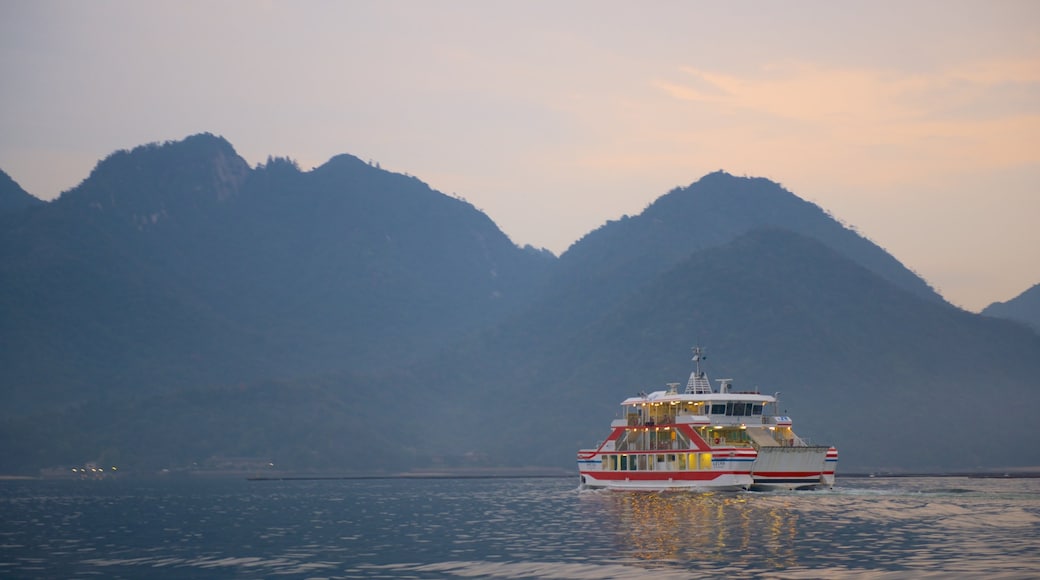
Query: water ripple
{"x": 884, "y": 528}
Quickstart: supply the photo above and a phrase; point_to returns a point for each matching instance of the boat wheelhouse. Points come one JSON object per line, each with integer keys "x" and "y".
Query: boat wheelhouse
{"x": 705, "y": 439}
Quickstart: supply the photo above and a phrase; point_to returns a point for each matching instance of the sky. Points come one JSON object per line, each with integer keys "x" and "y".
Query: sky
{"x": 917, "y": 123}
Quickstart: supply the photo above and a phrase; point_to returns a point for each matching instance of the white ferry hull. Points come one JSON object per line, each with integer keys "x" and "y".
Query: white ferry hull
{"x": 790, "y": 468}
{"x": 788, "y": 484}
{"x": 677, "y": 481}
{"x": 721, "y": 470}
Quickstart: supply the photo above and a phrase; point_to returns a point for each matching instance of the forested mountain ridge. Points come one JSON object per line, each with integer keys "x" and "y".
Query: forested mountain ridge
{"x": 12, "y": 197}
{"x": 177, "y": 264}
{"x": 179, "y": 307}
{"x": 715, "y": 210}
{"x": 1024, "y": 308}
{"x": 600, "y": 270}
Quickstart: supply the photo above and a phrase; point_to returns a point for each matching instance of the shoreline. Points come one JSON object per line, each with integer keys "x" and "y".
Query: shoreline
{"x": 474, "y": 474}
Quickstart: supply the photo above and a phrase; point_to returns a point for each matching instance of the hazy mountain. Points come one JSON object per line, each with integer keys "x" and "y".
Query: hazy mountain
{"x": 600, "y": 270}
{"x": 177, "y": 265}
{"x": 1024, "y": 308}
{"x": 179, "y": 307}
{"x": 12, "y": 197}
{"x": 710, "y": 212}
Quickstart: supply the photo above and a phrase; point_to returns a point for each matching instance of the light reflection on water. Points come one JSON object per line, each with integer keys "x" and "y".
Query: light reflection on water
{"x": 517, "y": 528}
{"x": 675, "y": 528}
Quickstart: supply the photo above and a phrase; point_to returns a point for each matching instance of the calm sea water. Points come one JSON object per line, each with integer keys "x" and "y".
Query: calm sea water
{"x": 515, "y": 528}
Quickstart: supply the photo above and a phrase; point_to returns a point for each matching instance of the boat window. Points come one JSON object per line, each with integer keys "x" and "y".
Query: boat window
{"x": 631, "y": 441}
{"x": 737, "y": 409}
{"x": 682, "y": 441}
{"x": 705, "y": 460}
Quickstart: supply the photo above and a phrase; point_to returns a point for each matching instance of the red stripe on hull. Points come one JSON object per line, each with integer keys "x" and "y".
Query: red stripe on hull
{"x": 788, "y": 473}
{"x": 717, "y": 453}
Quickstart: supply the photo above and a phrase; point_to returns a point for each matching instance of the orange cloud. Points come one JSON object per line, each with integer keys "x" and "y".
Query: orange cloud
{"x": 979, "y": 116}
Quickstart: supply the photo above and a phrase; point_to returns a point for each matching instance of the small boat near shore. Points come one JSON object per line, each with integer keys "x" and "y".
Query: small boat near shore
{"x": 705, "y": 439}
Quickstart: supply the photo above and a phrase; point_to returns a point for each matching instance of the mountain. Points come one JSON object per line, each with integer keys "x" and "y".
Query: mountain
{"x": 600, "y": 272}
{"x": 179, "y": 308}
{"x": 178, "y": 265}
{"x": 713, "y": 211}
{"x": 1024, "y": 308}
{"x": 13, "y": 198}
{"x": 613, "y": 260}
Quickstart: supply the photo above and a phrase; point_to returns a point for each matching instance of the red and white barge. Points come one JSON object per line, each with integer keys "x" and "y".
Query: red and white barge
{"x": 704, "y": 439}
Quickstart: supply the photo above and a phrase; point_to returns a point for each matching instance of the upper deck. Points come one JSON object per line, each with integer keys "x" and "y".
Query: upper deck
{"x": 700, "y": 404}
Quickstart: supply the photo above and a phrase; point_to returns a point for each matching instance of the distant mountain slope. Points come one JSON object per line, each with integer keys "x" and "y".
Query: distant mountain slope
{"x": 13, "y": 197}
{"x": 710, "y": 212}
{"x": 92, "y": 307}
{"x": 1024, "y": 308}
{"x": 177, "y": 265}
{"x": 599, "y": 271}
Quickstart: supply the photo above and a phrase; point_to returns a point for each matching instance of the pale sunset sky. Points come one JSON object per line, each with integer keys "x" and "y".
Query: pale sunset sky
{"x": 916, "y": 122}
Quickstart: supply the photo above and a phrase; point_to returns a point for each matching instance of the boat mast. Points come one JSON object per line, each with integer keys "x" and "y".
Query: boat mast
{"x": 698, "y": 384}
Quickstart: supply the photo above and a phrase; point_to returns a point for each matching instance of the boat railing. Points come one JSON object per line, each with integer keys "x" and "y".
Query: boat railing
{"x": 774, "y": 420}
{"x": 733, "y": 420}
{"x": 793, "y": 441}
{"x": 687, "y": 419}
{"x": 634, "y": 421}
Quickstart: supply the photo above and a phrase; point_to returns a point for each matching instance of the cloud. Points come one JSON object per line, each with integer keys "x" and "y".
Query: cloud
{"x": 975, "y": 116}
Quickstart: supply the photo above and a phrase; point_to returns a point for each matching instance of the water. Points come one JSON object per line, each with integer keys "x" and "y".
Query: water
{"x": 515, "y": 528}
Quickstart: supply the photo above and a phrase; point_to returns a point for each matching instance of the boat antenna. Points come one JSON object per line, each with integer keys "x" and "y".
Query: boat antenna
{"x": 698, "y": 356}
{"x": 698, "y": 383}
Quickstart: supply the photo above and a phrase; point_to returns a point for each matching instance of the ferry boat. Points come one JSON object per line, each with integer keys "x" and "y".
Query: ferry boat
{"x": 705, "y": 439}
